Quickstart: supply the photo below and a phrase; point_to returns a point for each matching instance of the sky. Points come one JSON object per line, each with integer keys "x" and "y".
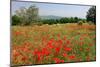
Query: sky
{"x": 46, "y": 9}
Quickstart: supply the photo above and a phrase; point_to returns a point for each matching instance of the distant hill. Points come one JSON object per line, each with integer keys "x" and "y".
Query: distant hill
{"x": 50, "y": 17}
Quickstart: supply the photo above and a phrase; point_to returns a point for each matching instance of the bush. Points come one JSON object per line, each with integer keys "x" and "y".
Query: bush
{"x": 39, "y": 23}
{"x": 80, "y": 23}
{"x": 16, "y": 20}
{"x": 84, "y": 21}
{"x": 90, "y": 22}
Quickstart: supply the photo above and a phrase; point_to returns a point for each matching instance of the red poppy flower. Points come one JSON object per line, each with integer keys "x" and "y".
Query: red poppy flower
{"x": 57, "y": 49}
{"x": 68, "y": 48}
{"x": 35, "y": 51}
{"x": 45, "y": 51}
{"x": 49, "y": 44}
{"x": 62, "y": 61}
{"x": 80, "y": 49}
{"x": 24, "y": 58}
{"x": 15, "y": 53}
{"x": 81, "y": 43}
{"x": 87, "y": 49}
{"x": 68, "y": 42}
{"x": 57, "y": 60}
{"x": 71, "y": 57}
{"x": 17, "y": 33}
{"x": 60, "y": 42}
{"x": 39, "y": 58}
{"x": 81, "y": 38}
{"x": 90, "y": 45}
{"x": 58, "y": 35}
{"x": 88, "y": 58}
{"x": 64, "y": 55}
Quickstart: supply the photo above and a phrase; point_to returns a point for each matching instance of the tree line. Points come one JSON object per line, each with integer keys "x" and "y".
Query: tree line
{"x": 63, "y": 20}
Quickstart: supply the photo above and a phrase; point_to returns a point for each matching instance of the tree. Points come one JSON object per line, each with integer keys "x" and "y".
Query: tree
{"x": 27, "y": 15}
{"x": 15, "y": 20}
{"x": 91, "y": 14}
{"x": 21, "y": 13}
{"x": 32, "y": 14}
{"x": 76, "y": 19}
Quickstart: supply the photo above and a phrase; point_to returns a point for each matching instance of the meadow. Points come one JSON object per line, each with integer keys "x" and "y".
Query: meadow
{"x": 57, "y": 43}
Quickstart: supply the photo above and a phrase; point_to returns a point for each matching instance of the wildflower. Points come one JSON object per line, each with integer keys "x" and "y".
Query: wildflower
{"x": 45, "y": 51}
{"x": 81, "y": 43}
{"x": 56, "y": 60}
{"x": 87, "y": 49}
{"x": 58, "y": 35}
{"x": 80, "y": 49}
{"x": 35, "y": 51}
{"x": 57, "y": 49}
{"x": 64, "y": 38}
{"x": 68, "y": 42}
{"x": 60, "y": 42}
{"x": 64, "y": 55}
{"x": 79, "y": 59}
{"x": 39, "y": 58}
{"x": 71, "y": 57}
{"x": 90, "y": 45}
{"x": 24, "y": 58}
{"x": 88, "y": 58}
{"x": 68, "y": 48}
{"x": 62, "y": 61}
{"x": 17, "y": 33}
{"x": 15, "y": 53}
{"x": 81, "y": 38}
{"x": 49, "y": 44}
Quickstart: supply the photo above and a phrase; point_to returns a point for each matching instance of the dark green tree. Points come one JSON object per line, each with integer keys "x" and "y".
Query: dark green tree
{"x": 91, "y": 14}
{"x": 15, "y": 20}
{"x": 76, "y": 19}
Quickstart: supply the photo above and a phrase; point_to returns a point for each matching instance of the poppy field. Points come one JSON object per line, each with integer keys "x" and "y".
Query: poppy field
{"x": 57, "y": 43}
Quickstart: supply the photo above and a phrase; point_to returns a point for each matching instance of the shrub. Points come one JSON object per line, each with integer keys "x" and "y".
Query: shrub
{"x": 39, "y": 23}
{"x": 80, "y": 23}
{"x": 16, "y": 20}
{"x": 84, "y": 21}
{"x": 90, "y": 22}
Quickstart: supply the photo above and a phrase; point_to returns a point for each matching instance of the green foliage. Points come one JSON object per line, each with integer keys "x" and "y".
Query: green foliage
{"x": 91, "y": 14}
{"x": 26, "y": 16}
{"x": 90, "y": 23}
{"x": 80, "y": 23}
{"x": 76, "y": 19}
{"x": 15, "y": 20}
{"x": 62, "y": 20}
{"x": 84, "y": 21}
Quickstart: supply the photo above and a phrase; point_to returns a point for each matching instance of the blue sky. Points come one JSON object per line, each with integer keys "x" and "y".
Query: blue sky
{"x": 53, "y": 9}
